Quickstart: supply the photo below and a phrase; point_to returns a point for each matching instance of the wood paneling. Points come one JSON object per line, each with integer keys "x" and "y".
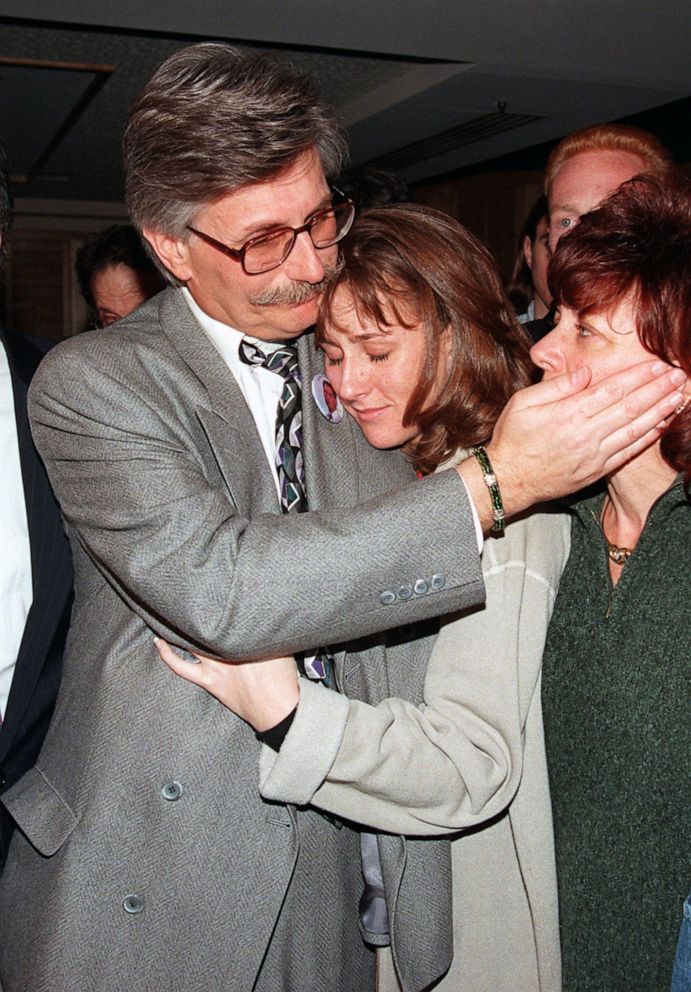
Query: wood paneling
{"x": 492, "y": 205}
{"x": 39, "y": 284}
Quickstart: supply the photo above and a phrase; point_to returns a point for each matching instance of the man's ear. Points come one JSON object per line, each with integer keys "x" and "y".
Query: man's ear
{"x": 528, "y": 251}
{"x": 172, "y": 252}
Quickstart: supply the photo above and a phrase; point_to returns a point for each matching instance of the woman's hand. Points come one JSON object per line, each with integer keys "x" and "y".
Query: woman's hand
{"x": 260, "y": 692}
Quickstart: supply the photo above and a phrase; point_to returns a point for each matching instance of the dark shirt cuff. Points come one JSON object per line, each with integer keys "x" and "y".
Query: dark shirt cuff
{"x": 275, "y": 736}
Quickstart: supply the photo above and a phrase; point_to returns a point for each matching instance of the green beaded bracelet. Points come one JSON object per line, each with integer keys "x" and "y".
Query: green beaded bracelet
{"x": 490, "y": 480}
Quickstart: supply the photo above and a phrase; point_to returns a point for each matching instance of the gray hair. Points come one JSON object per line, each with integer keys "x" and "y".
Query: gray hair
{"x": 212, "y": 119}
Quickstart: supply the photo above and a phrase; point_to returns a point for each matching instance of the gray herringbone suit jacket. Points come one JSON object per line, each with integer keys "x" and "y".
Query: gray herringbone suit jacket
{"x": 147, "y": 787}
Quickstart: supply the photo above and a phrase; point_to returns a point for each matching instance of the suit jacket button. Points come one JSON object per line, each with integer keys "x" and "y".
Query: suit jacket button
{"x": 438, "y": 582}
{"x": 171, "y": 791}
{"x": 133, "y": 904}
{"x": 3, "y": 780}
{"x": 405, "y": 592}
{"x": 421, "y": 587}
{"x": 387, "y": 597}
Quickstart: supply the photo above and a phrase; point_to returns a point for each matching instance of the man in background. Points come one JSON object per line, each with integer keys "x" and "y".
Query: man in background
{"x": 527, "y": 288}
{"x": 584, "y": 169}
{"x": 370, "y": 187}
{"x": 35, "y": 566}
{"x": 116, "y": 274}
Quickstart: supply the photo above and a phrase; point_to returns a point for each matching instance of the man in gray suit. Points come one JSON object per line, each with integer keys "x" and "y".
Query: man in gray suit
{"x": 146, "y": 858}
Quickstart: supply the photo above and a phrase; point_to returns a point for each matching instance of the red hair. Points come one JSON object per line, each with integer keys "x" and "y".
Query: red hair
{"x": 609, "y": 138}
{"x": 637, "y": 246}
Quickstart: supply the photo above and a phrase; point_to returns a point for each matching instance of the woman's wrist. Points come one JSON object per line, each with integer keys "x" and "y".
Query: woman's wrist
{"x": 275, "y": 735}
{"x": 267, "y": 711}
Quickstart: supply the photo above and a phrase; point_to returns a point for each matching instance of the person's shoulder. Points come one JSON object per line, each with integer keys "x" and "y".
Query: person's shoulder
{"x": 129, "y": 358}
{"x": 537, "y": 541}
{"x": 130, "y": 371}
{"x": 82, "y": 349}
{"x": 140, "y": 330}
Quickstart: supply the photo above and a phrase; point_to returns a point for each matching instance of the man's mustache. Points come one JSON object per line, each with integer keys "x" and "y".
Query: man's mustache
{"x": 296, "y": 292}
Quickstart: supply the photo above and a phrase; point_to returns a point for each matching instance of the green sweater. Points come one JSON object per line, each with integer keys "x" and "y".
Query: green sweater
{"x": 615, "y": 699}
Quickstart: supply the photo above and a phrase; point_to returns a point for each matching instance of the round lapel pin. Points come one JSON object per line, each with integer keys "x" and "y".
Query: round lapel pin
{"x": 325, "y": 397}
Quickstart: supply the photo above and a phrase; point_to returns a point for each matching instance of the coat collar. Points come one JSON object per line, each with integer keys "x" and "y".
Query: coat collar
{"x": 225, "y": 417}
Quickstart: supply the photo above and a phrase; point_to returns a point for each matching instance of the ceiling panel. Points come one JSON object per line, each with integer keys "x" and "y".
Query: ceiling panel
{"x": 405, "y": 76}
{"x": 56, "y": 94}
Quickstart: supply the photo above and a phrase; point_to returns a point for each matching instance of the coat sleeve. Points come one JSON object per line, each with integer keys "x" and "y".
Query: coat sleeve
{"x": 138, "y": 493}
{"x": 457, "y": 760}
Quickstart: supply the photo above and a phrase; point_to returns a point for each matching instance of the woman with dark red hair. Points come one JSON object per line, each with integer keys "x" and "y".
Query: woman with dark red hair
{"x": 616, "y": 664}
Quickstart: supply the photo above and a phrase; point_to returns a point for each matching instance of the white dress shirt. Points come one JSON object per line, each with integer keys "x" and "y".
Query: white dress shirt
{"x": 16, "y": 590}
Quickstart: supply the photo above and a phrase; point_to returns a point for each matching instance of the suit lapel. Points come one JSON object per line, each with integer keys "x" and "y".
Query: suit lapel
{"x": 330, "y": 461}
{"x": 331, "y": 467}
{"x": 227, "y": 420}
{"x": 335, "y": 455}
{"x": 333, "y": 482}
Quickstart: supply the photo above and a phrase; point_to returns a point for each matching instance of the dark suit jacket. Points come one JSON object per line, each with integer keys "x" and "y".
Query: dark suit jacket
{"x": 39, "y": 661}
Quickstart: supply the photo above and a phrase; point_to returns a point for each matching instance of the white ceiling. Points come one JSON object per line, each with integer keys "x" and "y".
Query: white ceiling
{"x": 399, "y": 72}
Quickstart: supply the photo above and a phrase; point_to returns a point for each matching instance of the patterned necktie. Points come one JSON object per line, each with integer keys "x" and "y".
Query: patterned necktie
{"x": 289, "y": 462}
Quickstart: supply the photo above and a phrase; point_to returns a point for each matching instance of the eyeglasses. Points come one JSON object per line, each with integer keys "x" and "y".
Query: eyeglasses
{"x": 265, "y": 252}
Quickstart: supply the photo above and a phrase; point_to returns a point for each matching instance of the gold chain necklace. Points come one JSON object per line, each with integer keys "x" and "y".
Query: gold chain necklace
{"x": 618, "y": 555}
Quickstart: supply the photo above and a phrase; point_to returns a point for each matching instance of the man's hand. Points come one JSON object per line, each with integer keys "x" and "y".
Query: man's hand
{"x": 558, "y": 436}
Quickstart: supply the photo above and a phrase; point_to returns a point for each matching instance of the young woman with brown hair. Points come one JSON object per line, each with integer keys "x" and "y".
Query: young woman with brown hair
{"x": 423, "y": 350}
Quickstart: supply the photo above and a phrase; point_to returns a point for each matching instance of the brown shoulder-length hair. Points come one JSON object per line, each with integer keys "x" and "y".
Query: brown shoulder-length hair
{"x": 637, "y": 246}
{"x": 410, "y": 264}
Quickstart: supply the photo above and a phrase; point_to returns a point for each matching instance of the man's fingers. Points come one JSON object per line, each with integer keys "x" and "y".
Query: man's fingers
{"x": 636, "y": 435}
{"x": 588, "y": 402}
{"x": 625, "y": 454}
{"x": 622, "y": 423}
{"x": 629, "y": 393}
{"x": 551, "y": 390}
{"x": 553, "y": 438}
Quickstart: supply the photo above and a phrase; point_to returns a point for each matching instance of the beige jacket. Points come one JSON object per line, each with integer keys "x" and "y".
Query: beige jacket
{"x": 472, "y": 759}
